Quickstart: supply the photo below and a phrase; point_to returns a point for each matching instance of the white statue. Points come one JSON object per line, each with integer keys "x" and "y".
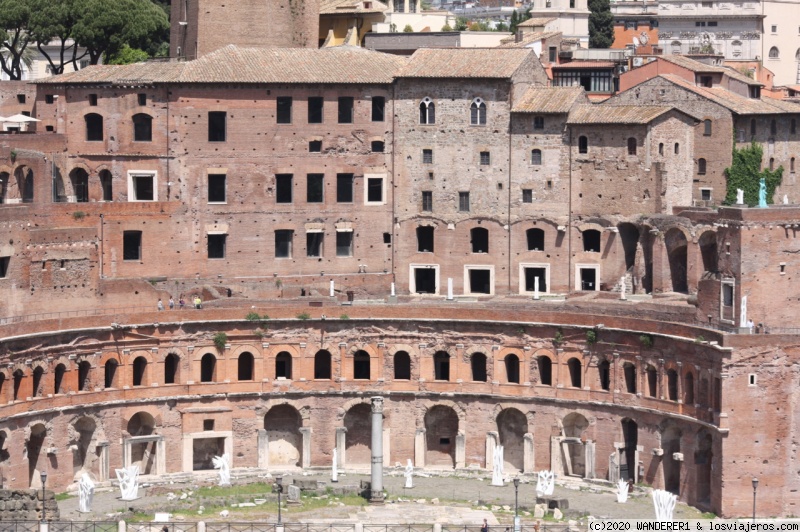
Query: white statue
{"x": 664, "y": 503}
{"x": 223, "y": 463}
{"x": 622, "y": 288}
{"x": 409, "y": 474}
{"x": 85, "y": 493}
{"x": 739, "y": 196}
{"x": 497, "y": 466}
{"x": 129, "y": 482}
{"x": 622, "y": 491}
{"x": 334, "y": 470}
{"x": 545, "y": 483}
{"x": 786, "y": 199}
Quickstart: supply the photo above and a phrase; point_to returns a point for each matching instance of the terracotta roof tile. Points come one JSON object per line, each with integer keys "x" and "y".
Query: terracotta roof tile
{"x": 549, "y": 100}
{"x": 333, "y": 7}
{"x": 527, "y": 38}
{"x": 466, "y": 62}
{"x": 734, "y": 102}
{"x": 622, "y": 114}
{"x": 534, "y": 22}
{"x": 698, "y": 67}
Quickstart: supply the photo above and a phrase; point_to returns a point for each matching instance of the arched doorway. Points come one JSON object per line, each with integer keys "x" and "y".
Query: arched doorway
{"x": 282, "y": 424}
{"x": 83, "y": 433}
{"x": 402, "y": 366}
{"x": 671, "y": 444}
{"x": 36, "y": 389}
{"x": 171, "y": 367}
{"x": 110, "y": 380}
{"x": 703, "y": 458}
{"x": 441, "y": 366}
{"x": 283, "y": 366}
{"x": 627, "y": 463}
{"x": 358, "y": 422}
{"x": 574, "y": 452}
{"x": 512, "y": 368}
{"x": 142, "y": 454}
{"x": 545, "y": 367}
{"x": 322, "y": 365}
{"x": 512, "y": 425}
{"x": 34, "y": 452}
{"x": 441, "y": 430}
{"x": 676, "y": 244}
{"x": 245, "y": 366}
{"x": 629, "y": 235}
{"x": 575, "y": 372}
{"x": 79, "y": 180}
{"x": 478, "y": 366}
{"x": 361, "y": 365}
{"x": 139, "y": 371}
{"x": 208, "y": 368}
{"x": 708, "y": 250}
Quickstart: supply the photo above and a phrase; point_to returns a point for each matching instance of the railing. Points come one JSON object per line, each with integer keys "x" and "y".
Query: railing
{"x": 83, "y": 526}
{"x": 19, "y": 526}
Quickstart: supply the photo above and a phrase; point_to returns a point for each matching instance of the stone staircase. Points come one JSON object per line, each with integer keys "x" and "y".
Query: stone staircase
{"x": 628, "y": 284}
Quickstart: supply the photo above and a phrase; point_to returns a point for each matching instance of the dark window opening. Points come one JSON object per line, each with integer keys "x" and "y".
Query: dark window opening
{"x": 652, "y": 380}
{"x": 142, "y": 128}
{"x": 283, "y": 112}
{"x": 216, "y": 188}
{"x": 707, "y": 127}
{"x": 538, "y": 122}
{"x": 427, "y": 201}
{"x": 480, "y": 281}
{"x": 37, "y": 382}
{"x": 283, "y": 188}
{"x": 322, "y": 365}
{"x": 83, "y": 375}
{"x": 425, "y": 280}
{"x": 427, "y": 156}
{"x": 486, "y": 158}
{"x": 94, "y": 127}
{"x": 527, "y": 195}
{"x": 345, "y": 109}
{"x": 583, "y": 144}
{"x": 701, "y": 166}
{"x": 143, "y": 189}
{"x": 588, "y": 279}
{"x": 110, "y": 374}
{"x": 314, "y": 146}
{"x": 477, "y": 364}
{"x": 315, "y": 185}
{"x": 48, "y": 98}
{"x": 387, "y": 238}
{"x": 208, "y": 425}
{"x": 18, "y": 376}
{"x": 425, "y": 239}
{"x": 535, "y": 238}
{"x": 61, "y": 370}
{"x": 512, "y": 368}
{"x": 375, "y": 190}
{"x": 591, "y": 240}
{"x": 672, "y": 385}
{"x": 314, "y": 244}
{"x": 132, "y": 245}
{"x": 217, "y": 126}
{"x": 677, "y": 148}
{"x": 208, "y": 368}
{"x": 705, "y": 81}
{"x": 361, "y": 368}
{"x": 478, "y": 113}
{"x": 283, "y": 366}
{"x": 536, "y": 157}
{"x": 216, "y": 246}
{"x": 378, "y": 108}
{"x": 427, "y": 112}
{"x": 463, "y": 201}
{"x": 552, "y": 51}
{"x": 479, "y": 238}
{"x": 171, "y": 368}
{"x": 80, "y": 185}
{"x": 92, "y": 100}
{"x": 344, "y": 188}
{"x": 344, "y": 243}
{"x": 604, "y": 374}
{"x": 631, "y": 145}
{"x": 545, "y": 370}
{"x": 142, "y": 99}
{"x": 444, "y": 441}
{"x": 377, "y": 146}
{"x": 283, "y": 243}
{"x": 106, "y": 185}
{"x": 630, "y": 377}
{"x": 139, "y": 370}
{"x": 441, "y": 366}
{"x": 531, "y": 274}
{"x": 315, "y": 109}
{"x": 575, "y": 375}
{"x": 402, "y": 366}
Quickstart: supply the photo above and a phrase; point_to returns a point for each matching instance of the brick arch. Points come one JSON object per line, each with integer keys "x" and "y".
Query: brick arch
{"x": 472, "y": 222}
{"x": 133, "y": 355}
{"x": 237, "y": 350}
{"x": 278, "y": 348}
{"x": 457, "y": 408}
{"x": 78, "y": 165}
{"x": 342, "y": 411}
{"x": 426, "y": 220}
{"x": 370, "y": 349}
{"x": 128, "y": 414}
{"x": 39, "y": 363}
{"x": 302, "y": 408}
{"x": 198, "y": 354}
{"x": 181, "y": 353}
{"x": 408, "y": 348}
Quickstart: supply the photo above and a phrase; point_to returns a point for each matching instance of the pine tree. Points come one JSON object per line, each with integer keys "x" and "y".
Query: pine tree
{"x": 601, "y": 24}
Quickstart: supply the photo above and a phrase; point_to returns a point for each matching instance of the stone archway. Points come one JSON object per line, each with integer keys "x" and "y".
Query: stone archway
{"x": 358, "y": 438}
{"x": 33, "y": 448}
{"x": 512, "y": 425}
{"x": 575, "y": 446}
{"x": 703, "y": 457}
{"x": 284, "y": 440}
{"x": 82, "y": 435}
{"x": 141, "y": 444}
{"x": 671, "y": 459}
{"x": 441, "y": 431}
{"x": 677, "y": 254}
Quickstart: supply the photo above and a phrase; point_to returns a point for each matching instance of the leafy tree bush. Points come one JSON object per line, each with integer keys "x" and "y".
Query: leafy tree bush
{"x": 745, "y": 173}
{"x": 601, "y": 24}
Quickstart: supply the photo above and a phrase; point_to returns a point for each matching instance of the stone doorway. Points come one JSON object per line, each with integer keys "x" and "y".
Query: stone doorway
{"x": 284, "y": 439}
{"x": 441, "y": 430}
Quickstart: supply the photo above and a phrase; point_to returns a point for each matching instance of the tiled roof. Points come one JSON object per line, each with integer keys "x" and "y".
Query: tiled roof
{"x": 333, "y": 7}
{"x": 609, "y": 114}
{"x": 698, "y": 67}
{"x": 534, "y": 22}
{"x": 527, "y": 38}
{"x": 466, "y": 62}
{"x": 734, "y": 102}
{"x": 231, "y": 64}
{"x": 585, "y": 64}
{"x": 549, "y": 100}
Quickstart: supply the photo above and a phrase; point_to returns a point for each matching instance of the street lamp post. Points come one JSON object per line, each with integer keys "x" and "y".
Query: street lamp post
{"x": 278, "y": 487}
{"x": 43, "y": 476}
{"x": 516, "y": 505}
{"x": 755, "y": 487}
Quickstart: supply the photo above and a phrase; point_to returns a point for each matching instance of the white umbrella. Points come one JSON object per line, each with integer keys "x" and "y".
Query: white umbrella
{"x": 19, "y": 119}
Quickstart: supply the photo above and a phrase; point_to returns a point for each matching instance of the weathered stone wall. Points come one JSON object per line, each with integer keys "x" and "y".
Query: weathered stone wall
{"x": 26, "y": 505}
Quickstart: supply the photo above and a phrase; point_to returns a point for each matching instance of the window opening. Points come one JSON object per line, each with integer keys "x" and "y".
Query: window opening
{"x": 283, "y": 243}
{"x": 535, "y": 238}
{"x": 375, "y": 190}
{"x": 314, "y": 244}
{"x": 427, "y": 201}
{"x": 345, "y": 109}
{"x": 315, "y": 108}
{"x": 425, "y": 239}
{"x": 283, "y": 188}
{"x": 527, "y": 195}
{"x": 536, "y": 157}
{"x": 284, "y": 110}
{"x": 344, "y": 188}
{"x": 217, "y": 126}
{"x": 463, "y": 201}
{"x": 94, "y": 127}
{"x": 344, "y": 243}
{"x": 479, "y": 238}
{"x": 216, "y": 246}
{"x": 315, "y": 188}
{"x": 378, "y": 108}
{"x": 591, "y": 240}
{"x": 132, "y": 245}
{"x": 427, "y": 111}
{"x": 477, "y": 112}
{"x": 314, "y": 146}
{"x": 217, "y": 188}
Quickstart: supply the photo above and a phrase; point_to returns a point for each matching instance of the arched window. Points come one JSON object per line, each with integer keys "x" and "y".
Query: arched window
{"x": 427, "y": 111}
{"x": 688, "y": 389}
{"x": 661, "y": 148}
{"x": 477, "y": 363}
{"x": 80, "y": 185}
{"x": 535, "y": 238}
{"x": 512, "y": 368}
{"x": 105, "y": 184}
{"x": 604, "y": 374}
{"x": 94, "y": 127}
{"x": 142, "y": 127}
{"x": 479, "y": 237}
{"x": 583, "y": 144}
{"x": 402, "y": 366}
{"x": 111, "y": 373}
{"x": 139, "y": 369}
{"x": 791, "y": 165}
{"x": 707, "y": 127}
{"x": 322, "y": 365}
{"x": 771, "y": 163}
{"x": 631, "y": 145}
{"x": 545, "y": 370}
{"x": 18, "y": 376}
{"x": 171, "y": 364}
{"x": 773, "y": 127}
{"x": 774, "y": 53}
{"x": 574, "y": 366}
{"x": 61, "y": 370}
{"x": 536, "y": 157}
{"x": 477, "y": 112}
{"x": 245, "y": 366}
{"x": 84, "y": 369}
{"x": 672, "y": 384}
{"x": 591, "y": 240}
{"x": 629, "y": 371}
{"x": 701, "y": 166}
{"x": 37, "y": 381}
{"x": 425, "y": 239}
{"x": 361, "y": 369}
{"x": 283, "y": 365}
{"x": 441, "y": 366}
{"x": 677, "y": 148}
{"x": 652, "y": 381}
{"x": 208, "y": 368}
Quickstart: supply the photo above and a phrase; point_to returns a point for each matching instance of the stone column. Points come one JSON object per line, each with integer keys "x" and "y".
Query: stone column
{"x": 589, "y": 459}
{"x": 461, "y": 450}
{"x": 376, "y": 491}
{"x": 528, "y": 461}
{"x": 341, "y": 435}
{"x": 306, "y": 457}
{"x": 660, "y": 382}
{"x": 492, "y": 440}
{"x": 679, "y": 384}
{"x": 104, "y": 460}
{"x": 263, "y": 449}
{"x": 161, "y": 457}
{"x": 405, "y": 6}
{"x": 387, "y": 440}
{"x": 419, "y": 448}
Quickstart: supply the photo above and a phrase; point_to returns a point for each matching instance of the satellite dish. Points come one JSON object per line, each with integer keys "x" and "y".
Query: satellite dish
{"x": 636, "y": 41}
{"x": 643, "y": 38}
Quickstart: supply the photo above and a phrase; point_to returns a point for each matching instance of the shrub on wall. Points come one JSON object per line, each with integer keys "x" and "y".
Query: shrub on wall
{"x": 745, "y": 173}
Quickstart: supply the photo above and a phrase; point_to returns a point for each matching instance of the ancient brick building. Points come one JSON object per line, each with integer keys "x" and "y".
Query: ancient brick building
{"x": 287, "y": 181}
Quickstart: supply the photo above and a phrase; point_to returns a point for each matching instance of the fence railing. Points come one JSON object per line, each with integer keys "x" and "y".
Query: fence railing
{"x": 260, "y": 526}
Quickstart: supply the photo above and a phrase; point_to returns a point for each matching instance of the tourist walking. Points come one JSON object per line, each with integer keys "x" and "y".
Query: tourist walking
{"x": 160, "y": 304}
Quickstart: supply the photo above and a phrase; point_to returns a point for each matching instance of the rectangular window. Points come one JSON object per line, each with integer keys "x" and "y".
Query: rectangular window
{"x": 375, "y": 190}
{"x": 377, "y": 146}
{"x": 345, "y": 109}
{"x": 344, "y": 188}
{"x": 315, "y": 105}
{"x": 143, "y": 189}
{"x": 527, "y": 195}
{"x": 315, "y": 184}
{"x": 705, "y": 194}
{"x": 712, "y": 23}
{"x": 427, "y": 156}
{"x": 131, "y": 245}
{"x": 705, "y": 81}
{"x": 378, "y": 108}
{"x": 700, "y": 23}
{"x": 216, "y": 246}
{"x": 774, "y": 28}
{"x": 283, "y": 243}
{"x": 463, "y": 201}
{"x": 284, "y": 110}
{"x": 4, "y": 267}
{"x": 344, "y": 244}
{"x": 92, "y": 100}
{"x": 314, "y": 146}
{"x": 216, "y": 188}
{"x": 427, "y": 201}
{"x": 314, "y": 244}
{"x": 486, "y": 158}
{"x": 551, "y": 54}
{"x": 21, "y": 98}
{"x": 217, "y": 126}
{"x": 48, "y": 98}
{"x": 283, "y": 188}
{"x": 142, "y": 99}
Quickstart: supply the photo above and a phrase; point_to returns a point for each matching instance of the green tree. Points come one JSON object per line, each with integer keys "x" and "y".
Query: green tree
{"x": 601, "y": 24}
{"x": 128, "y": 55}
{"x": 462, "y": 24}
{"x": 408, "y": 29}
{"x": 514, "y": 21}
{"x": 51, "y": 23}
{"x": 447, "y": 27}
{"x": 14, "y": 36}
{"x": 745, "y": 173}
{"x": 501, "y": 26}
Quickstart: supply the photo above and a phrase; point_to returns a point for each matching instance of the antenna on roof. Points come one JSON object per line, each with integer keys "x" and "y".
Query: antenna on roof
{"x": 636, "y": 42}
